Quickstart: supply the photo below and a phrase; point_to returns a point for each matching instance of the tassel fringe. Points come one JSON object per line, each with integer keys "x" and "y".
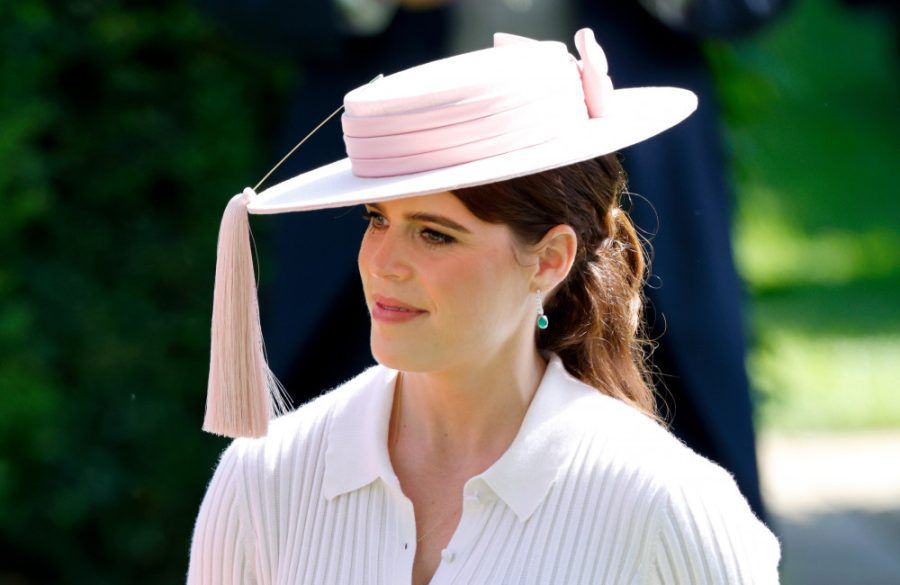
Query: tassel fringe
{"x": 242, "y": 394}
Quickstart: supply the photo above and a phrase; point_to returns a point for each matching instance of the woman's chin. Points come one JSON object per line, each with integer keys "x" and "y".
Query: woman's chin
{"x": 408, "y": 357}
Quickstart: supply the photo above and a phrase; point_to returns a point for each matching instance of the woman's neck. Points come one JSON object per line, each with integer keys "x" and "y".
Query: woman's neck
{"x": 467, "y": 412}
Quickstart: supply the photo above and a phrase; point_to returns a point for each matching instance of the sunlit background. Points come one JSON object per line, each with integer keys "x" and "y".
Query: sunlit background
{"x": 125, "y": 128}
{"x": 812, "y": 112}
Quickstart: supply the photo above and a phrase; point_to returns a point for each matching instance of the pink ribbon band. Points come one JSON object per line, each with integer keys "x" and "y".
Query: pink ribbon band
{"x": 426, "y": 161}
{"x": 514, "y": 96}
{"x": 544, "y": 111}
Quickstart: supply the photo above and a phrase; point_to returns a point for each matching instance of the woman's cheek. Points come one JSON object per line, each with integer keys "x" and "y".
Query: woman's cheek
{"x": 470, "y": 293}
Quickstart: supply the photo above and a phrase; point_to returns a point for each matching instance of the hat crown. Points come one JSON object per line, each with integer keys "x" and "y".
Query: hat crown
{"x": 496, "y": 70}
{"x": 474, "y": 106}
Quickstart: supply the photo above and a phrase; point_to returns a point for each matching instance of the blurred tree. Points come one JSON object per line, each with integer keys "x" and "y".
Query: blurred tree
{"x": 124, "y": 129}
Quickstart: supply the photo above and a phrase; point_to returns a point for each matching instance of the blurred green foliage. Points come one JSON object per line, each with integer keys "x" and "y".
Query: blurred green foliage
{"x": 811, "y": 111}
{"x": 123, "y": 131}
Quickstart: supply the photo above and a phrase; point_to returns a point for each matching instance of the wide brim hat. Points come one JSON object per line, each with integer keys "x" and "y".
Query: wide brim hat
{"x": 518, "y": 108}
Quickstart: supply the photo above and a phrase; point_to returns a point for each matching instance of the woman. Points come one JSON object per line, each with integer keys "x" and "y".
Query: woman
{"x": 509, "y": 433}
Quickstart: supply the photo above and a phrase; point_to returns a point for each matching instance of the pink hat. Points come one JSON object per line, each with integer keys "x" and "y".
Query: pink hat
{"x": 520, "y": 107}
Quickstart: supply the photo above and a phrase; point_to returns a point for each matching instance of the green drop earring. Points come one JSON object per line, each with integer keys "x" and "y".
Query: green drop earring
{"x": 542, "y": 321}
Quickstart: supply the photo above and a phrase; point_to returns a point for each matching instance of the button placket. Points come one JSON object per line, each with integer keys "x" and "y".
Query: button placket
{"x": 406, "y": 534}
{"x": 408, "y": 530}
{"x": 476, "y": 496}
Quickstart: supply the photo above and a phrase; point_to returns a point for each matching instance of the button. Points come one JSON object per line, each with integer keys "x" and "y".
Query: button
{"x": 448, "y": 555}
{"x": 479, "y": 497}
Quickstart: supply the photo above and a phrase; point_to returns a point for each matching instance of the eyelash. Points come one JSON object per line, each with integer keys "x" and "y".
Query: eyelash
{"x": 432, "y": 237}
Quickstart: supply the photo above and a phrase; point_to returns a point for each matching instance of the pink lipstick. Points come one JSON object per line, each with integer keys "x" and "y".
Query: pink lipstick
{"x": 390, "y": 310}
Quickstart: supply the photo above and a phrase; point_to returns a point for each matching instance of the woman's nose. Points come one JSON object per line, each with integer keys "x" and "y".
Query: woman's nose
{"x": 388, "y": 258}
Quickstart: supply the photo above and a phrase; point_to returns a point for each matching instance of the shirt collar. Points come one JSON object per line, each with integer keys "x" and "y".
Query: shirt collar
{"x": 357, "y": 452}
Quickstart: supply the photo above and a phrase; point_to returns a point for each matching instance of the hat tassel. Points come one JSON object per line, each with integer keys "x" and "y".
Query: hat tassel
{"x": 242, "y": 393}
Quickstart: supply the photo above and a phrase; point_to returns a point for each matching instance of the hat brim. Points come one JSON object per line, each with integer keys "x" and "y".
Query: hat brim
{"x": 636, "y": 114}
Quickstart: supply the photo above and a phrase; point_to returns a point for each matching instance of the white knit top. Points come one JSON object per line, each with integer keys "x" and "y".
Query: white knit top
{"x": 590, "y": 491}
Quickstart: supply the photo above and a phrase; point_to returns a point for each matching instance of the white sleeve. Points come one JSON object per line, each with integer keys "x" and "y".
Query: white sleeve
{"x": 708, "y": 535}
{"x": 222, "y": 544}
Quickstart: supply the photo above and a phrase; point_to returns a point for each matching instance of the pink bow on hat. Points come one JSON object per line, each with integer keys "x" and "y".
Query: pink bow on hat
{"x": 594, "y": 68}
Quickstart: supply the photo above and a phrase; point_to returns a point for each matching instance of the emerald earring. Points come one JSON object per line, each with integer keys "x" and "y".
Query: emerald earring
{"x": 542, "y": 321}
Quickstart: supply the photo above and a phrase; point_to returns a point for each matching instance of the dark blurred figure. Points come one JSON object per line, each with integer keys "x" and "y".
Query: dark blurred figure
{"x": 315, "y": 320}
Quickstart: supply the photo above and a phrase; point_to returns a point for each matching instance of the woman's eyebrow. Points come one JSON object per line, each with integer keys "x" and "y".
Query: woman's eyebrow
{"x": 430, "y": 218}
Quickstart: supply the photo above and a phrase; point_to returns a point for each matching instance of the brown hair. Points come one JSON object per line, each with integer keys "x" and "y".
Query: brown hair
{"x": 595, "y": 323}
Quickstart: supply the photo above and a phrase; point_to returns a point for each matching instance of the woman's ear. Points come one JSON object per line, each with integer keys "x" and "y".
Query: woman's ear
{"x": 555, "y": 254}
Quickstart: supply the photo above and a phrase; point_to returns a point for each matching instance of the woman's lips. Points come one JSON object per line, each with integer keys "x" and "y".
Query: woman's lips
{"x": 393, "y": 311}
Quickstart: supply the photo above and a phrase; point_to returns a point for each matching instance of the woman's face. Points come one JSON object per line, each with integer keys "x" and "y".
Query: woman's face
{"x": 444, "y": 288}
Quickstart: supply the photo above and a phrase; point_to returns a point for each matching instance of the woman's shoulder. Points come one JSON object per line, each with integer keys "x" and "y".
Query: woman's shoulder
{"x": 701, "y": 518}
{"x": 706, "y": 527}
{"x": 637, "y": 446}
{"x": 680, "y": 475}
{"x": 620, "y": 431}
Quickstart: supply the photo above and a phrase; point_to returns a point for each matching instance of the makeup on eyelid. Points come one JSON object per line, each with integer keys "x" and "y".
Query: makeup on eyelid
{"x": 433, "y": 237}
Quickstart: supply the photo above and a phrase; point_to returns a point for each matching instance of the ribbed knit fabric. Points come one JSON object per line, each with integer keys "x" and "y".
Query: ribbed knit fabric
{"x": 590, "y": 491}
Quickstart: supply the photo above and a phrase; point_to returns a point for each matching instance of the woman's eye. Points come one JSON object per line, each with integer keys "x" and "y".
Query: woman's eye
{"x": 375, "y": 219}
{"x": 432, "y": 237}
{"x": 435, "y": 237}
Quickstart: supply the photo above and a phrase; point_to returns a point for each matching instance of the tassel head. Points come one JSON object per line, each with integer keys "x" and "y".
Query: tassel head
{"x": 242, "y": 393}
